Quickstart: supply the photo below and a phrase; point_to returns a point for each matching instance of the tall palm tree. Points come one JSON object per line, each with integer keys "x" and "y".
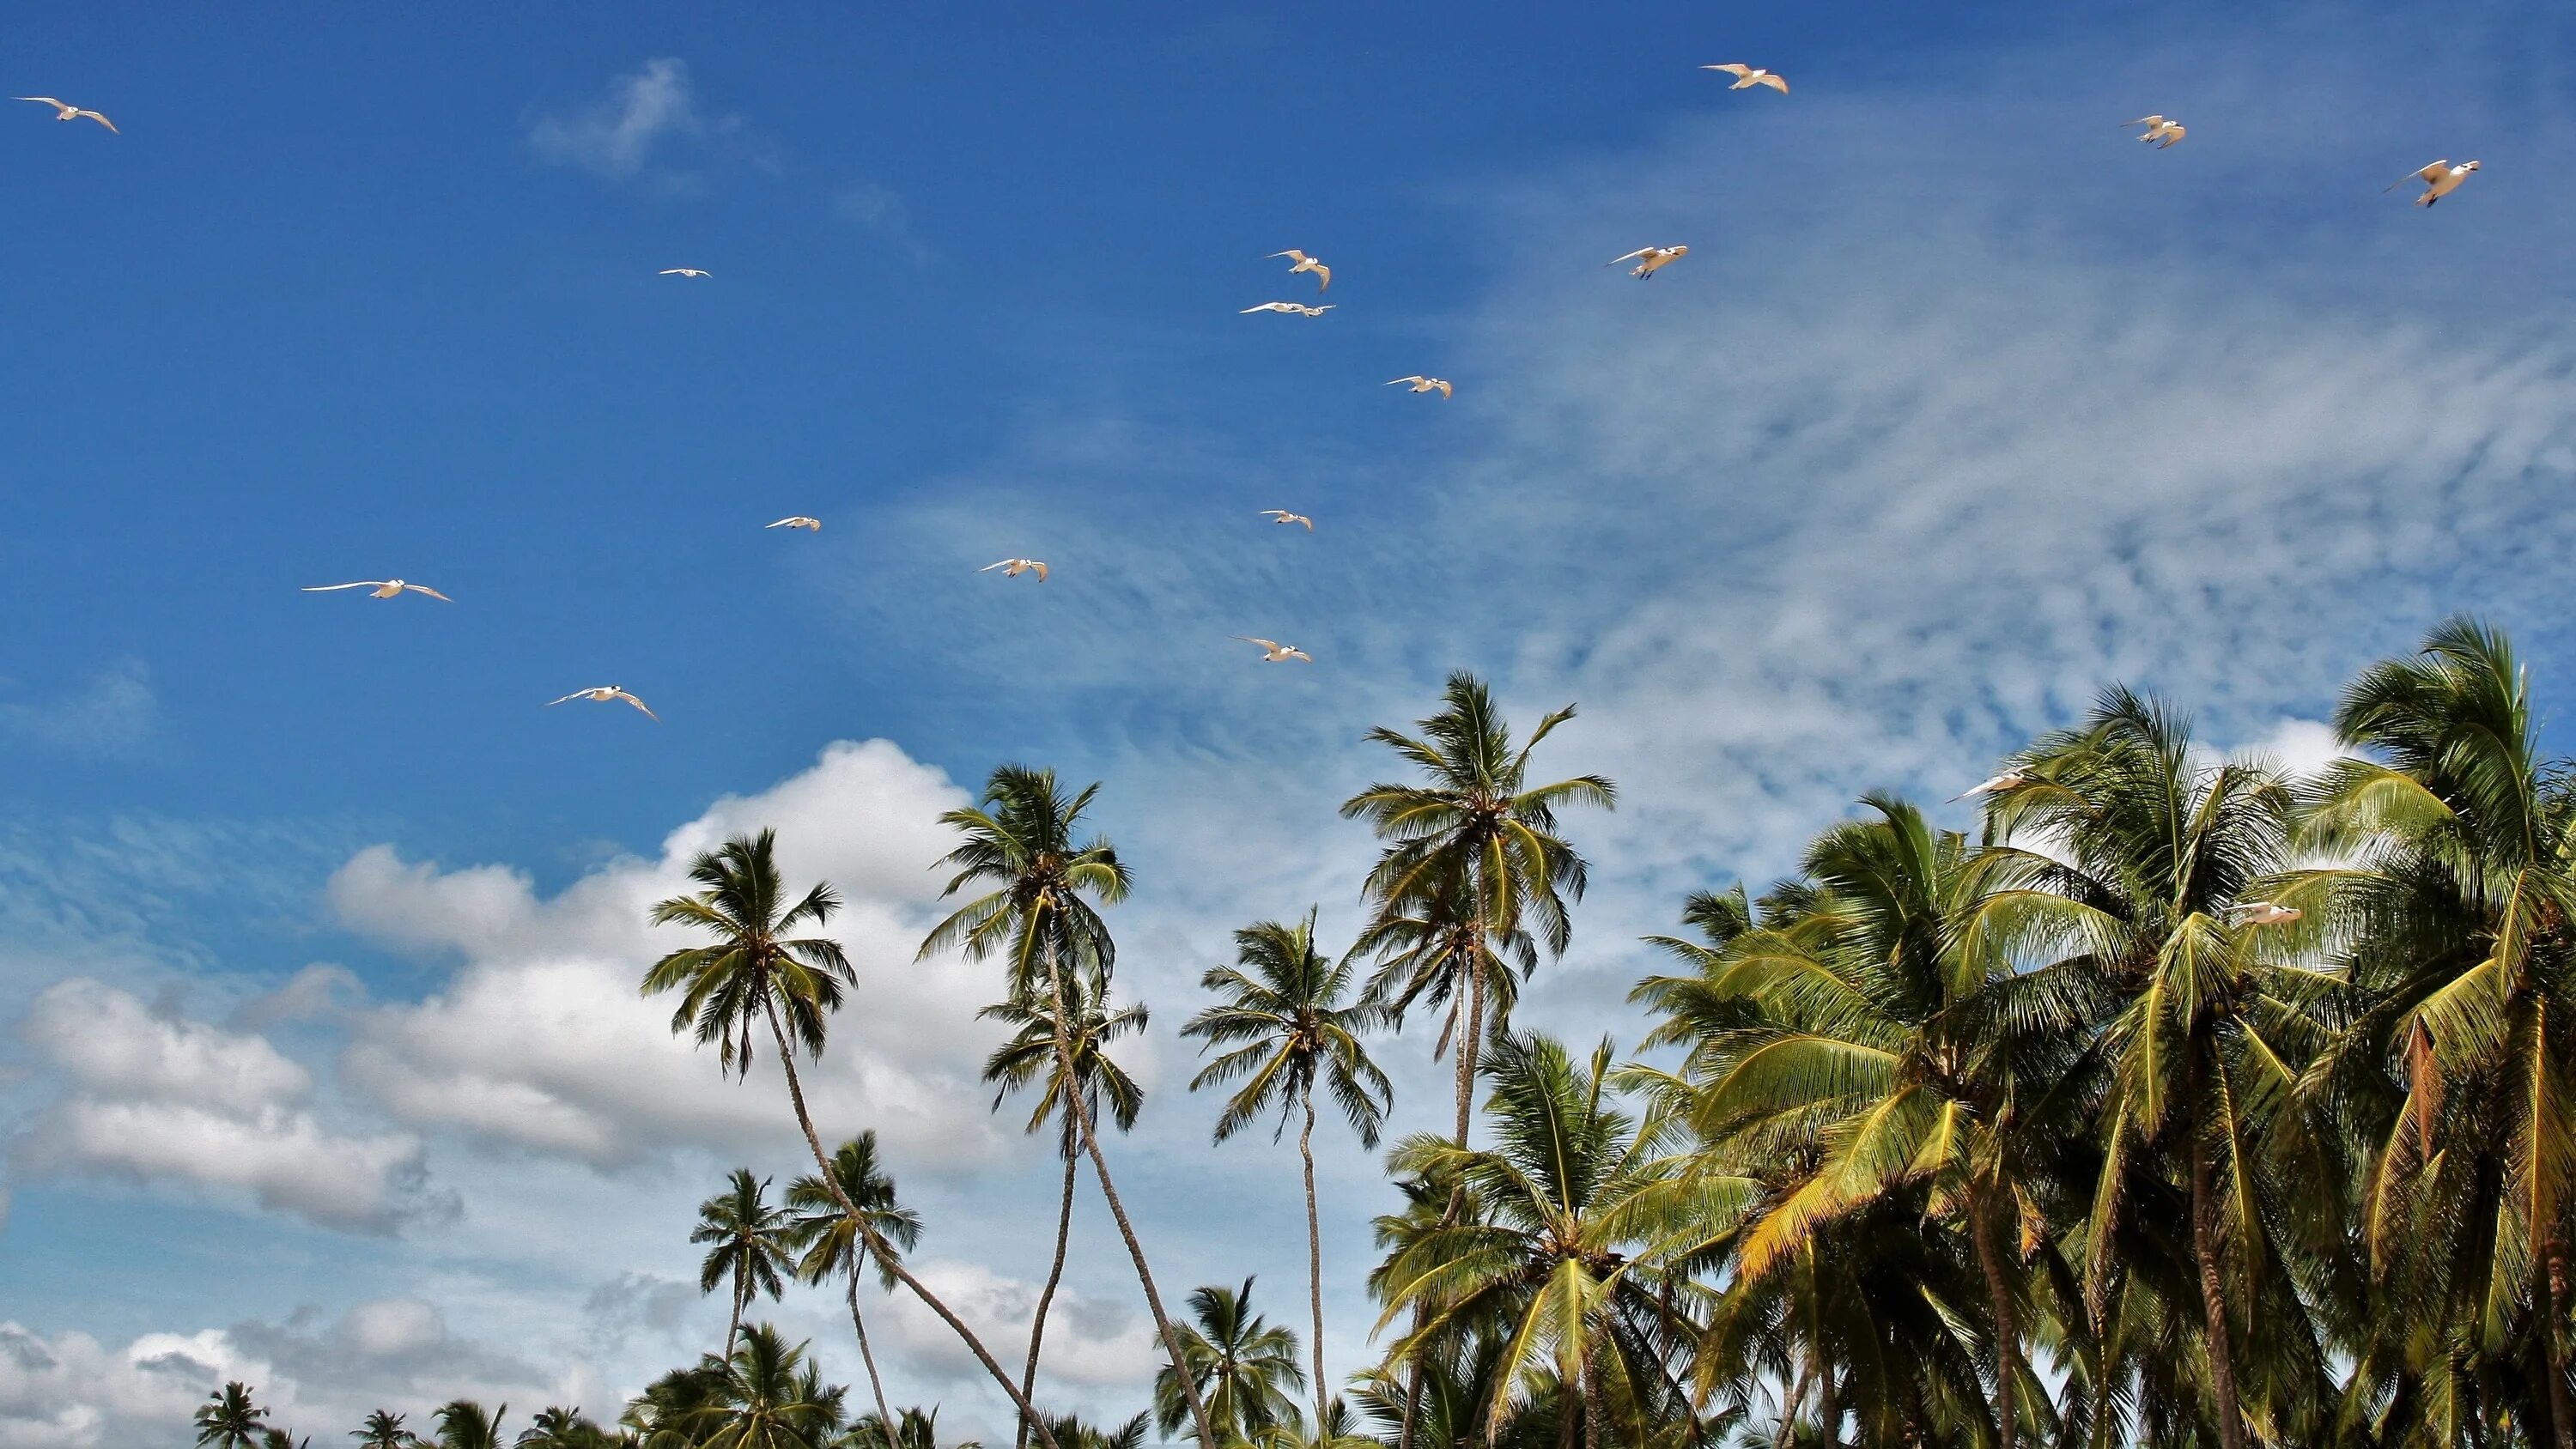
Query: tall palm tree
{"x": 465, "y": 1424}
{"x": 755, "y": 973}
{"x": 1282, "y": 1009}
{"x": 2459, "y": 906}
{"x": 1029, "y": 1056}
{"x": 1472, "y": 855}
{"x": 748, "y": 1245}
{"x": 384, "y": 1430}
{"x": 2147, "y": 853}
{"x": 558, "y": 1427}
{"x": 229, "y": 1420}
{"x": 767, "y": 1396}
{"x": 1245, "y": 1368}
{"x": 836, "y": 1243}
{"x": 1021, "y": 842}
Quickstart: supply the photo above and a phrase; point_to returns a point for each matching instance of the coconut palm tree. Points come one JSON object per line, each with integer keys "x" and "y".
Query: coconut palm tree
{"x": 1073, "y": 1433}
{"x": 558, "y": 1427}
{"x": 767, "y": 1395}
{"x": 1021, "y": 841}
{"x": 1029, "y": 1056}
{"x": 1245, "y": 1368}
{"x": 755, "y": 973}
{"x": 275, "y": 1438}
{"x": 748, "y": 1245}
{"x": 917, "y": 1428}
{"x": 229, "y": 1420}
{"x": 1282, "y": 1009}
{"x": 384, "y": 1430}
{"x": 1473, "y": 858}
{"x": 661, "y": 1417}
{"x": 836, "y": 1244}
{"x": 464, "y": 1424}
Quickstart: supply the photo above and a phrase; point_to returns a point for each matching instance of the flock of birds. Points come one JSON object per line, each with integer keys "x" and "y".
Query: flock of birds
{"x": 2440, "y": 179}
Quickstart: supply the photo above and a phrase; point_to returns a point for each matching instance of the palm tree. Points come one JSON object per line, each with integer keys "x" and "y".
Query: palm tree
{"x": 463, "y": 1424}
{"x": 1073, "y": 1433}
{"x": 1030, "y": 1054}
{"x": 276, "y": 1438}
{"x": 661, "y": 1417}
{"x": 749, "y": 1244}
{"x": 767, "y": 1396}
{"x": 918, "y": 1428}
{"x": 1282, "y": 1010}
{"x": 229, "y": 1420}
{"x": 1244, "y": 1367}
{"x": 557, "y": 1427}
{"x": 1564, "y": 1259}
{"x": 833, "y": 1242}
{"x": 756, "y": 973}
{"x": 1472, "y": 861}
{"x": 1021, "y": 841}
{"x": 2148, "y": 854}
{"x": 384, "y": 1430}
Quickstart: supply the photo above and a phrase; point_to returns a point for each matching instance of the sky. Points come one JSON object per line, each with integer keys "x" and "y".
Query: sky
{"x": 321, "y": 1062}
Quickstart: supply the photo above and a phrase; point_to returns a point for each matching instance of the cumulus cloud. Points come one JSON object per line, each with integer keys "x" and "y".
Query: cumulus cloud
{"x": 1090, "y": 1343}
{"x": 114, "y": 713}
{"x": 541, "y": 1041}
{"x": 630, "y": 133}
{"x": 163, "y": 1099}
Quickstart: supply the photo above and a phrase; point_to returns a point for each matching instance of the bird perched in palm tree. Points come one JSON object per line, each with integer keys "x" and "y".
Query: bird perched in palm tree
{"x": 229, "y": 1420}
{"x": 1284, "y": 1010}
{"x": 1029, "y": 1056}
{"x": 757, "y": 972}
{"x": 465, "y": 1424}
{"x": 1022, "y": 841}
{"x": 747, "y": 1237}
{"x": 1244, "y": 1366}
{"x": 835, "y": 1244}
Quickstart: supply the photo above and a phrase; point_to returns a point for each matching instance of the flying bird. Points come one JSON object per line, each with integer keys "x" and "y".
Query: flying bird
{"x": 1273, "y": 652}
{"x": 2163, "y": 130}
{"x": 1420, "y": 383}
{"x": 1282, "y": 515}
{"x": 2440, "y": 179}
{"x": 2264, "y": 913}
{"x": 66, "y": 111}
{"x": 1305, "y": 263}
{"x": 683, "y": 272}
{"x": 604, "y": 693}
{"x": 1750, "y": 75}
{"x": 382, "y": 589}
{"x": 811, "y": 525}
{"x": 2004, "y": 781}
{"x": 1287, "y": 307}
{"x": 1012, "y": 568}
{"x": 1649, "y": 260}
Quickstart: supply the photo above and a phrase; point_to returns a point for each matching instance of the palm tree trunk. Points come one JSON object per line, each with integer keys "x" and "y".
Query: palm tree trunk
{"x": 1981, "y": 1225}
{"x": 733, "y": 1330}
{"x": 1055, "y": 1274}
{"x": 2553, "y": 1344}
{"x": 876, "y": 1385}
{"x": 884, "y": 1251}
{"x": 1789, "y": 1405}
{"x": 1314, "y": 1267}
{"x": 2213, "y": 1286}
{"x": 1829, "y": 1407}
{"x": 1117, "y": 1210}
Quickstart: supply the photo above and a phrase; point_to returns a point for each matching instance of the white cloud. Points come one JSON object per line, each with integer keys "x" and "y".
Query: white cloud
{"x": 163, "y": 1099}
{"x": 541, "y": 1040}
{"x": 645, "y": 117}
{"x": 114, "y": 713}
{"x": 1090, "y": 1344}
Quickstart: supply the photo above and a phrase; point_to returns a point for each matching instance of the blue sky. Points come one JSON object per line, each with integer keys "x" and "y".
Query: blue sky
{"x": 316, "y": 931}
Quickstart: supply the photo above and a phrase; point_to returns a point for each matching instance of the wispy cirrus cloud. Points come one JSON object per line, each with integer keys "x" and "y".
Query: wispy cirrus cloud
{"x": 649, "y": 129}
{"x": 113, "y": 713}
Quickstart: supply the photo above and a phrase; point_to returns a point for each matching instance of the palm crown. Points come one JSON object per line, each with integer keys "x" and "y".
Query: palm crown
{"x": 756, "y": 968}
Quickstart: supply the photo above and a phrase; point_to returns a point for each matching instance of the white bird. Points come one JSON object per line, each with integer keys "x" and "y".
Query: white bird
{"x": 604, "y": 693}
{"x": 1012, "y": 568}
{"x": 382, "y": 589}
{"x": 2440, "y": 179}
{"x": 1305, "y": 263}
{"x": 2004, "y": 781}
{"x": 2163, "y": 130}
{"x": 1750, "y": 75}
{"x": 1282, "y": 515}
{"x": 1274, "y": 652}
{"x": 1287, "y": 307}
{"x": 1649, "y": 260}
{"x": 682, "y": 272}
{"x": 1420, "y": 383}
{"x": 812, "y": 525}
{"x": 66, "y": 111}
{"x": 2264, "y": 913}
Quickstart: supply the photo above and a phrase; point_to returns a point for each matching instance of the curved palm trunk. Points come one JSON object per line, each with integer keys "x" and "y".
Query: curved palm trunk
{"x": 1981, "y": 1226}
{"x": 1117, "y": 1210}
{"x": 1315, "y": 1269}
{"x": 1055, "y": 1274}
{"x": 2213, "y": 1286}
{"x": 868, "y": 1357}
{"x": 884, "y": 1253}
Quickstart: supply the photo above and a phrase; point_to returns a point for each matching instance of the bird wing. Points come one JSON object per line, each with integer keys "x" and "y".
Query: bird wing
{"x": 1630, "y": 257}
{"x": 639, "y": 704}
{"x": 360, "y": 584}
{"x": 433, "y": 593}
{"x": 1775, "y": 82}
{"x": 576, "y": 694}
{"x": 1041, "y": 568}
{"x": 1264, "y": 307}
{"x": 1274, "y": 513}
{"x": 2427, "y": 174}
{"x": 1292, "y": 253}
{"x": 2145, "y": 121}
{"x": 1324, "y": 276}
{"x": 2172, "y": 134}
{"x": 101, "y": 119}
{"x": 41, "y": 100}
{"x": 988, "y": 568}
{"x": 1417, "y": 377}
{"x": 1731, "y": 68}
{"x": 1301, "y": 518}
{"x": 1264, "y": 643}
{"x": 1445, "y": 389}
